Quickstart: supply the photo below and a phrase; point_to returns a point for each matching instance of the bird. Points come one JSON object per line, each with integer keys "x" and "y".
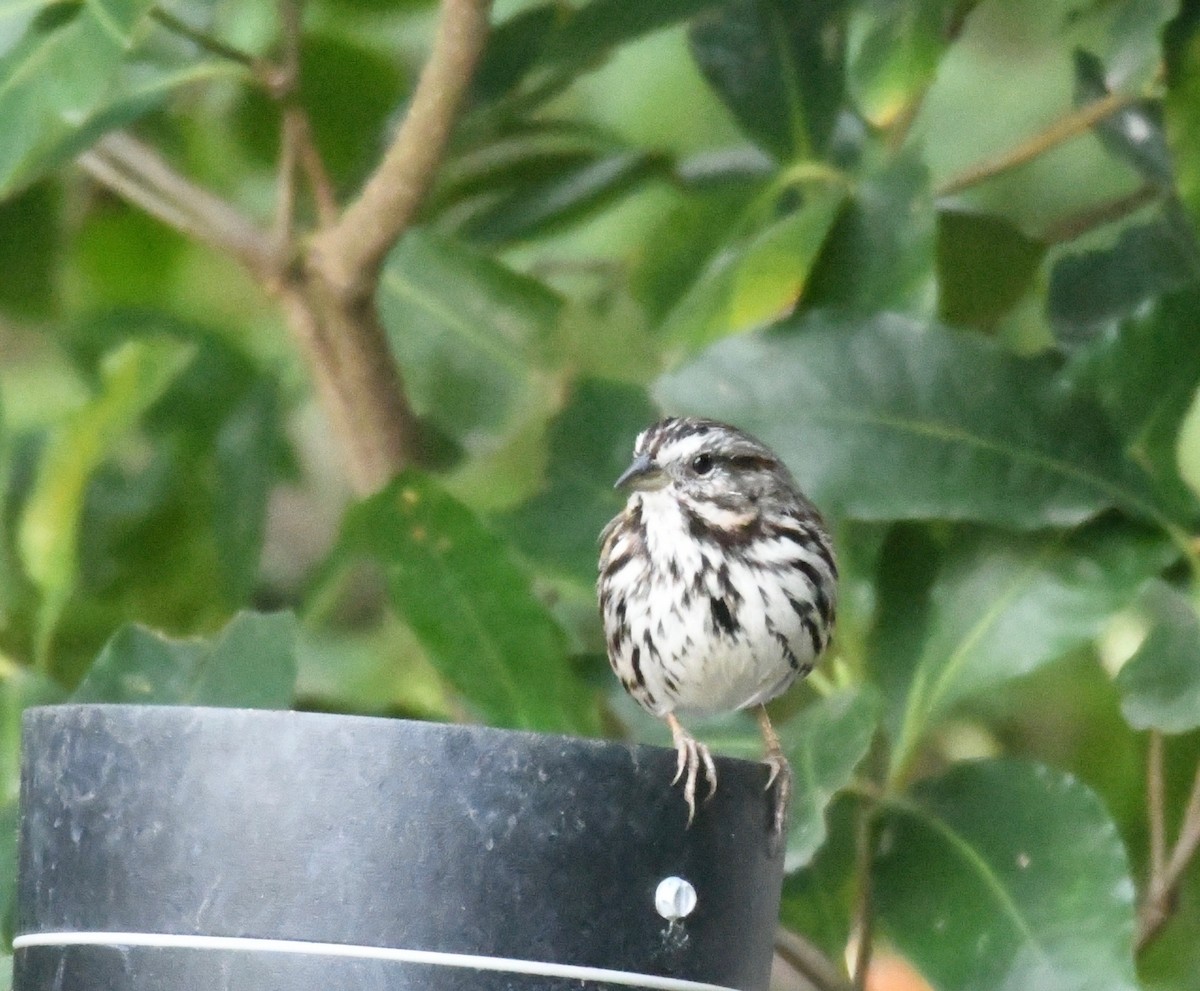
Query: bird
{"x": 717, "y": 587}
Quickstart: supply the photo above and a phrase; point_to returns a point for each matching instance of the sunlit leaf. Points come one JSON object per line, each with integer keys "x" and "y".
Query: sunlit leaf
{"x": 886, "y": 418}
{"x": 1160, "y": 683}
{"x": 892, "y": 50}
{"x": 1001, "y": 875}
{"x": 251, "y": 663}
{"x": 456, "y": 585}
{"x": 755, "y": 277}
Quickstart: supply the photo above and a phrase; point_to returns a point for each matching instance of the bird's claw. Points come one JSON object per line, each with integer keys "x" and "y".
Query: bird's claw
{"x": 779, "y": 771}
{"x": 694, "y": 759}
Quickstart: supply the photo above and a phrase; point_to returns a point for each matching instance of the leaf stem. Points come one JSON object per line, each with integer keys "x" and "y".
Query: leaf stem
{"x": 349, "y": 255}
{"x": 1069, "y": 126}
{"x": 1159, "y": 903}
{"x": 864, "y": 909}
{"x": 205, "y": 42}
{"x": 1155, "y": 804}
{"x": 809, "y": 962}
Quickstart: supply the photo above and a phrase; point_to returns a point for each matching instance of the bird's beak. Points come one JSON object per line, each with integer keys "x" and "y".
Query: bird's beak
{"x": 643, "y": 475}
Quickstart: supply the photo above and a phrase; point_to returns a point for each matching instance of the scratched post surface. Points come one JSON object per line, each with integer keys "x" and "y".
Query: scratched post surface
{"x": 207, "y": 848}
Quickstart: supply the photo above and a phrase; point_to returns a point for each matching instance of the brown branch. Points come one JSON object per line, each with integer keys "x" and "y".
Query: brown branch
{"x": 1159, "y": 902}
{"x": 809, "y": 962}
{"x": 139, "y": 174}
{"x": 1155, "y": 804}
{"x": 1069, "y": 126}
{"x": 349, "y": 254}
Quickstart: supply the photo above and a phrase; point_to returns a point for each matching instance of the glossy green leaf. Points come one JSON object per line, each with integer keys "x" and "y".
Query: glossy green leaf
{"x": 998, "y": 610}
{"x": 1146, "y": 376}
{"x": 591, "y": 444}
{"x": 886, "y": 418}
{"x": 1160, "y": 683}
{"x": 133, "y": 377}
{"x": 1001, "y": 875}
{"x": 824, "y": 742}
{"x": 459, "y": 589}
{"x": 251, "y": 663}
{"x": 771, "y": 64}
{"x": 1091, "y": 290}
{"x": 469, "y": 333}
{"x": 756, "y": 277}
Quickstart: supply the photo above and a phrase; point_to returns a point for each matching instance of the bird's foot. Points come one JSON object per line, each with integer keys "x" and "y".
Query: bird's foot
{"x": 780, "y": 772}
{"x": 694, "y": 759}
{"x": 780, "y": 775}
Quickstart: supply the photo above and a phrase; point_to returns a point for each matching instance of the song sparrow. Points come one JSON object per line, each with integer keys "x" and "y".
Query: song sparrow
{"x": 717, "y": 585}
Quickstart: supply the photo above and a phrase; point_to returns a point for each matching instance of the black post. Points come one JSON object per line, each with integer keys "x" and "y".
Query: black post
{"x": 192, "y": 848}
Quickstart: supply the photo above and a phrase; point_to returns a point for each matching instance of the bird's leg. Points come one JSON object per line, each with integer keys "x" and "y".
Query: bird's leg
{"x": 781, "y": 770}
{"x": 693, "y": 755}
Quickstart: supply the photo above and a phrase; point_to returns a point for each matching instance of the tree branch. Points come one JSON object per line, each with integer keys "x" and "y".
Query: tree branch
{"x": 809, "y": 962}
{"x": 1069, "y": 126}
{"x": 1155, "y": 804}
{"x": 349, "y": 254}
{"x": 139, "y": 174}
{"x": 1159, "y": 902}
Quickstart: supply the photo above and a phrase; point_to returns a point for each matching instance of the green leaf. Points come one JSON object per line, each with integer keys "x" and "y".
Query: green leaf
{"x": 469, "y": 333}
{"x": 824, "y": 743}
{"x": 568, "y": 41}
{"x": 1002, "y": 875}
{"x": 30, "y": 252}
{"x": 250, "y": 664}
{"x": 756, "y": 277}
{"x": 818, "y": 899}
{"x": 984, "y": 267}
{"x": 1146, "y": 377}
{"x": 591, "y": 444}
{"x": 246, "y": 455}
{"x": 76, "y": 73}
{"x": 456, "y": 585}
{"x": 1160, "y": 683}
{"x": 887, "y": 419}
{"x": 892, "y": 51}
{"x": 771, "y": 65}
{"x": 1091, "y": 290}
{"x": 1181, "y": 107}
{"x": 133, "y": 377}
{"x": 998, "y": 610}
{"x": 540, "y": 207}
{"x": 880, "y": 253}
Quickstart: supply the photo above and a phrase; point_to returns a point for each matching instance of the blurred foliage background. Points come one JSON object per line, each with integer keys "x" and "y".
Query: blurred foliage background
{"x": 941, "y": 254}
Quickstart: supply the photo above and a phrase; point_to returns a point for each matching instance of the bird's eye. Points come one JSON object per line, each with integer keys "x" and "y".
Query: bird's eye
{"x": 702, "y": 464}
